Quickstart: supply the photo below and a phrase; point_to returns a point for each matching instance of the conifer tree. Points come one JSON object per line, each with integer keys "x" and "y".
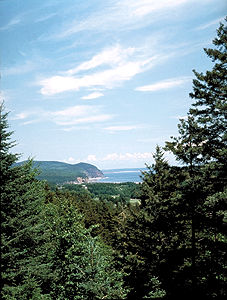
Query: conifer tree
{"x": 210, "y": 95}
{"x": 82, "y": 266}
{"x": 21, "y": 226}
{"x": 201, "y": 147}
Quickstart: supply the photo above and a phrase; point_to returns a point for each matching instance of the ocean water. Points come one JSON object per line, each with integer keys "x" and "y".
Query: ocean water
{"x": 122, "y": 175}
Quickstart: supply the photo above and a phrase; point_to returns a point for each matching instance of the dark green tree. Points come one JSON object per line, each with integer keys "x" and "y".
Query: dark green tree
{"x": 210, "y": 106}
{"x": 201, "y": 147}
{"x": 82, "y": 266}
{"x": 22, "y": 231}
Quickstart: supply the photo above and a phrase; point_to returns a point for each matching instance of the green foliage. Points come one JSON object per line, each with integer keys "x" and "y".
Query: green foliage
{"x": 156, "y": 291}
{"x": 114, "y": 192}
{"x": 22, "y": 234}
{"x": 82, "y": 265}
{"x": 209, "y": 108}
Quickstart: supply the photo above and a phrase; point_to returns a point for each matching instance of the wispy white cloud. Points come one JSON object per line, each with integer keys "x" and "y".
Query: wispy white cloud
{"x": 123, "y": 128}
{"x": 164, "y": 84}
{"x": 79, "y": 114}
{"x": 45, "y": 17}
{"x": 3, "y": 96}
{"x": 13, "y": 22}
{"x": 18, "y": 69}
{"x": 180, "y": 117}
{"x": 91, "y": 157}
{"x": 110, "y": 56}
{"x": 145, "y": 7}
{"x": 84, "y": 120}
{"x": 94, "y": 95}
{"x": 128, "y": 156}
{"x": 209, "y": 24}
{"x": 71, "y": 160}
{"x": 22, "y": 115}
{"x": 125, "y": 14}
{"x": 118, "y": 65}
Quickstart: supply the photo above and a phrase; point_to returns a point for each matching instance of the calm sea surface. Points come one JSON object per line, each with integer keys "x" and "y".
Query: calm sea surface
{"x": 122, "y": 175}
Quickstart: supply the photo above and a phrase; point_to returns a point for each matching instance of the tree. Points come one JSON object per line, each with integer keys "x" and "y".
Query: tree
{"x": 82, "y": 266}
{"x": 201, "y": 147}
{"x": 22, "y": 231}
{"x": 209, "y": 108}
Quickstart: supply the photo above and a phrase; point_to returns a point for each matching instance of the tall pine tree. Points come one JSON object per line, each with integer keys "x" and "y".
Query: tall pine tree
{"x": 22, "y": 232}
{"x": 201, "y": 147}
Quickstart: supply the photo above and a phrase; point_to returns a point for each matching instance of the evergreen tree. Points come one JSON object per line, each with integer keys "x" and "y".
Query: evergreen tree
{"x": 201, "y": 147}
{"x": 22, "y": 231}
{"x": 210, "y": 106}
{"x": 82, "y": 266}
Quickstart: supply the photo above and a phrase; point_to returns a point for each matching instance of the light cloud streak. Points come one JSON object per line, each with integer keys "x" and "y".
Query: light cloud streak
{"x": 13, "y": 22}
{"x": 164, "y": 84}
{"x": 209, "y": 24}
{"x": 125, "y": 14}
{"x": 123, "y": 128}
{"x": 79, "y": 114}
{"x": 26, "y": 67}
{"x": 136, "y": 156}
{"x": 94, "y": 95}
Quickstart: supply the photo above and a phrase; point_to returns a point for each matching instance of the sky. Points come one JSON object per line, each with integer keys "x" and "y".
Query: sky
{"x": 101, "y": 81}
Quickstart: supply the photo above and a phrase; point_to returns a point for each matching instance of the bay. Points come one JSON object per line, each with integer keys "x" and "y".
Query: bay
{"x": 122, "y": 175}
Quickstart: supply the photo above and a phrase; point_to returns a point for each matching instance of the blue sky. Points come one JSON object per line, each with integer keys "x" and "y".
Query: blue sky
{"x": 101, "y": 81}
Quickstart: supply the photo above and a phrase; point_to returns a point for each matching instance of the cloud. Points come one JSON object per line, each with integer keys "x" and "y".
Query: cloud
{"x": 145, "y": 7}
{"x": 46, "y": 17}
{"x": 123, "y": 14}
{"x": 91, "y": 157}
{"x": 79, "y": 114}
{"x": 90, "y": 119}
{"x": 93, "y": 96}
{"x": 122, "y": 65}
{"x": 123, "y": 128}
{"x": 128, "y": 156}
{"x": 71, "y": 160}
{"x": 164, "y": 84}
{"x": 207, "y": 25}
{"x": 24, "y": 68}
{"x": 180, "y": 117}
{"x": 137, "y": 156}
{"x": 110, "y": 56}
{"x": 3, "y": 96}
{"x": 21, "y": 116}
{"x": 13, "y": 22}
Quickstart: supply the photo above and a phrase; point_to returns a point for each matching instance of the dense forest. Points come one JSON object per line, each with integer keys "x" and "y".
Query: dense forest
{"x": 93, "y": 243}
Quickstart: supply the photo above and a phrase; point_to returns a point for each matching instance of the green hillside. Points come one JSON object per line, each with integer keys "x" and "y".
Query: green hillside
{"x": 60, "y": 172}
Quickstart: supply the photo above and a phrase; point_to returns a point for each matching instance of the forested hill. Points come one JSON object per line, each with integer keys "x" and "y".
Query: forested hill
{"x": 60, "y": 172}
